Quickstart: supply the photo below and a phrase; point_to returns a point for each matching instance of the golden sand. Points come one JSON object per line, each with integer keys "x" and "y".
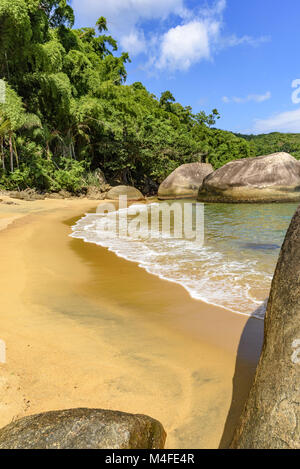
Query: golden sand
{"x": 85, "y": 328}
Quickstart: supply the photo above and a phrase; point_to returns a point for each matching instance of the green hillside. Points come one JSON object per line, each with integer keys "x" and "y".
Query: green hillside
{"x": 265, "y": 144}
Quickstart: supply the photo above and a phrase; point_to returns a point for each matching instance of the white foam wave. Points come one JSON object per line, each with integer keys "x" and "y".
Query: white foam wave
{"x": 206, "y": 273}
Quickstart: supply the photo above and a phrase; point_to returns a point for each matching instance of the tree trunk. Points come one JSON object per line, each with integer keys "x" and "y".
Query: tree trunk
{"x": 2, "y": 154}
{"x": 48, "y": 151}
{"x": 16, "y": 153}
{"x": 11, "y": 152}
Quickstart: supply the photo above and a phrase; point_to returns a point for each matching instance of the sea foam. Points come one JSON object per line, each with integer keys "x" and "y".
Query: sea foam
{"x": 223, "y": 272}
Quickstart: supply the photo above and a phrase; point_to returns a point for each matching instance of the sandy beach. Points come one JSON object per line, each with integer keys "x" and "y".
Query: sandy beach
{"x": 85, "y": 328}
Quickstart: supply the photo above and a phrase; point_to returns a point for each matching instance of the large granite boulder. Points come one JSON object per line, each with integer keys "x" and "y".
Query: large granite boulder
{"x": 185, "y": 181}
{"x": 83, "y": 429}
{"x": 271, "y": 178}
{"x": 131, "y": 192}
{"x": 271, "y": 418}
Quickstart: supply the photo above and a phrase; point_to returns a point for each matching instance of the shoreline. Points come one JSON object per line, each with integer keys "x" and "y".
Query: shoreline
{"x": 166, "y": 279}
{"x": 85, "y": 328}
{"x": 222, "y": 331}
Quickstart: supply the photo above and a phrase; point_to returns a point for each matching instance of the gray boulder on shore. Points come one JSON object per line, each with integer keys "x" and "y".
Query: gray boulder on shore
{"x": 270, "y": 178}
{"x": 83, "y": 429}
{"x": 131, "y": 193}
{"x": 184, "y": 182}
{"x": 271, "y": 419}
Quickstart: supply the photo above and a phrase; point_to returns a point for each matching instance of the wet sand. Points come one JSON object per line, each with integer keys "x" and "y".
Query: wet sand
{"x": 85, "y": 328}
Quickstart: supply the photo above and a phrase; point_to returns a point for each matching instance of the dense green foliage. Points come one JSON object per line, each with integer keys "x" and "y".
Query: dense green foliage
{"x": 68, "y": 110}
{"x": 265, "y": 144}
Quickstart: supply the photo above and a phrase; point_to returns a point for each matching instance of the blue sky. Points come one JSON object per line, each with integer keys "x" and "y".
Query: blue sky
{"x": 239, "y": 56}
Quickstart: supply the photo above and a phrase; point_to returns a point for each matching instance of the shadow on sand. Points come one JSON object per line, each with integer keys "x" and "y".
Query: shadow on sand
{"x": 248, "y": 355}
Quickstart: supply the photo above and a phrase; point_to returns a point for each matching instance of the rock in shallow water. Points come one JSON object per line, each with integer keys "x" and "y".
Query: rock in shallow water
{"x": 271, "y": 419}
{"x": 83, "y": 429}
{"x": 261, "y": 247}
{"x": 270, "y": 178}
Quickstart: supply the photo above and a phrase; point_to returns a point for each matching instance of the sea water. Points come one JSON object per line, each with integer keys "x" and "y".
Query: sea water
{"x": 233, "y": 268}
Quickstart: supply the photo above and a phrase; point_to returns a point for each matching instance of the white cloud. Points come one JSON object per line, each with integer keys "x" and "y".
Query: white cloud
{"x": 134, "y": 42}
{"x": 192, "y": 41}
{"x": 257, "y": 98}
{"x": 220, "y": 6}
{"x": 225, "y": 99}
{"x": 215, "y": 8}
{"x": 283, "y": 122}
{"x": 195, "y": 34}
{"x": 184, "y": 45}
{"x": 234, "y": 40}
{"x": 123, "y": 15}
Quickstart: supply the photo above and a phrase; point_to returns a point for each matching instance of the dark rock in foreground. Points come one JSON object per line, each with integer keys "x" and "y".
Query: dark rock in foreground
{"x": 83, "y": 429}
{"x": 184, "y": 182}
{"x": 270, "y": 178}
{"x": 271, "y": 419}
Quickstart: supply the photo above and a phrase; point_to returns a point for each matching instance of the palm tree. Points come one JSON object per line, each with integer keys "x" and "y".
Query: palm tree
{"x": 7, "y": 134}
{"x": 4, "y": 129}
{"x": 8, "y": 130}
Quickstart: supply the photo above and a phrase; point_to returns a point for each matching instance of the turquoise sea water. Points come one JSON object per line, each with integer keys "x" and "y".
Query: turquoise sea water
{"x": 234, "y": 267}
